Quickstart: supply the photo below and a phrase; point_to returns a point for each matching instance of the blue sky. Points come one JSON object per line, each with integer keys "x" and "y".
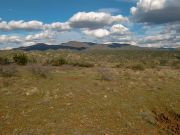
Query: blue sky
{"x": 56, "y": 10}
{"x": 153, "y": 23}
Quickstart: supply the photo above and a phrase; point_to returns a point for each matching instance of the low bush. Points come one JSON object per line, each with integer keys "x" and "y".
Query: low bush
{"x": 4, "y": 61}
{"x": 153, "y": 63}
{"x": 82, "y": 64}
{"x": 105, "y": 74}
{"x": 163, "y": 62}
{"x": 8, "y": 71}
{"x": 32, "y": 60}
{"x": 20, "y": 59}
{"x": 59, "y": 62}
{"x": 39, "y": 71}
{"x": 139, "y": 67}
{"x": 177, "y": 57}
{"x": 46, "y": 62}
{"x": 176, "y": 64}
{"x": 120, "y": 65}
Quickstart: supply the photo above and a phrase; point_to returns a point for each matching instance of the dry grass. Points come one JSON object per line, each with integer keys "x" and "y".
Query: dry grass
{"x": 39, "y": 71}
{"x": 99, "y": 100}
{"x": 105, "y": 74}
{"x": 168, "y": 121}
{"x": 8, "y": 71}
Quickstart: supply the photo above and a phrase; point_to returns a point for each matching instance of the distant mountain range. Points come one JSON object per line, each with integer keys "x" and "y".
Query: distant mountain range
{"x": 75, "y": 45}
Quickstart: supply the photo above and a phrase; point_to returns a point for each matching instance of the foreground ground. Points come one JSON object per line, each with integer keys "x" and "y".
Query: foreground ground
{"x": 105, "y": 99}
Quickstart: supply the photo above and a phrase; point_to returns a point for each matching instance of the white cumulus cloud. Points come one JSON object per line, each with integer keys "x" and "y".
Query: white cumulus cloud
{"x": 156, "y": 11}
{"x": 119, "y": 29}
{"x": 10, "y": 39}
{"x": 94, "y": 20}
{"x": 19, "y": 25}
{"x": 40, "y": 36}
{"x": 98, "y": 33}
{"x": 58, "y": 26}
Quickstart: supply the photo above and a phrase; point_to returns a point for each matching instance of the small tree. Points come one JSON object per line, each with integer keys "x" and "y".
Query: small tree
{"x": 20, "y": 59}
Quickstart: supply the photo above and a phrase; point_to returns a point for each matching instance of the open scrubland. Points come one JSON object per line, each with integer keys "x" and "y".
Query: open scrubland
{"x": 95, "y": 92}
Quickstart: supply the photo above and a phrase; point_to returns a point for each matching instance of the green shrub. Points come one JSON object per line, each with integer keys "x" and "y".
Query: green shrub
{"x": 59, "y": 62}
{"x": 32, "y": 60}
{"x": 120, "y": 65}
{"x": 139, "y": 67}
{"x": 20, "y": 59}
{"x": 163, "y": 62}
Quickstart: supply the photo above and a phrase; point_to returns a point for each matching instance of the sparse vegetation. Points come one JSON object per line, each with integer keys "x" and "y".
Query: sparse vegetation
{"x": 163, "y": 62}
{"x": 176, "y": 64}
{"x": 8, "y": 71}
{"x": 139, "y": 67}
{"x": 59, "y": 62}
{"x": 4, "y": 61}
{"x": 105, "y": 74}
{"x": 114, "y": 95}
{"x": 39, "y": 71}
{"x": 81, "y": 64}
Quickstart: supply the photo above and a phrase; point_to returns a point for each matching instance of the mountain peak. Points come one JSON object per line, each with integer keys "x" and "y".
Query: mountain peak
{"x": 38, "y": 44}
{"x": 76, "y": 45}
